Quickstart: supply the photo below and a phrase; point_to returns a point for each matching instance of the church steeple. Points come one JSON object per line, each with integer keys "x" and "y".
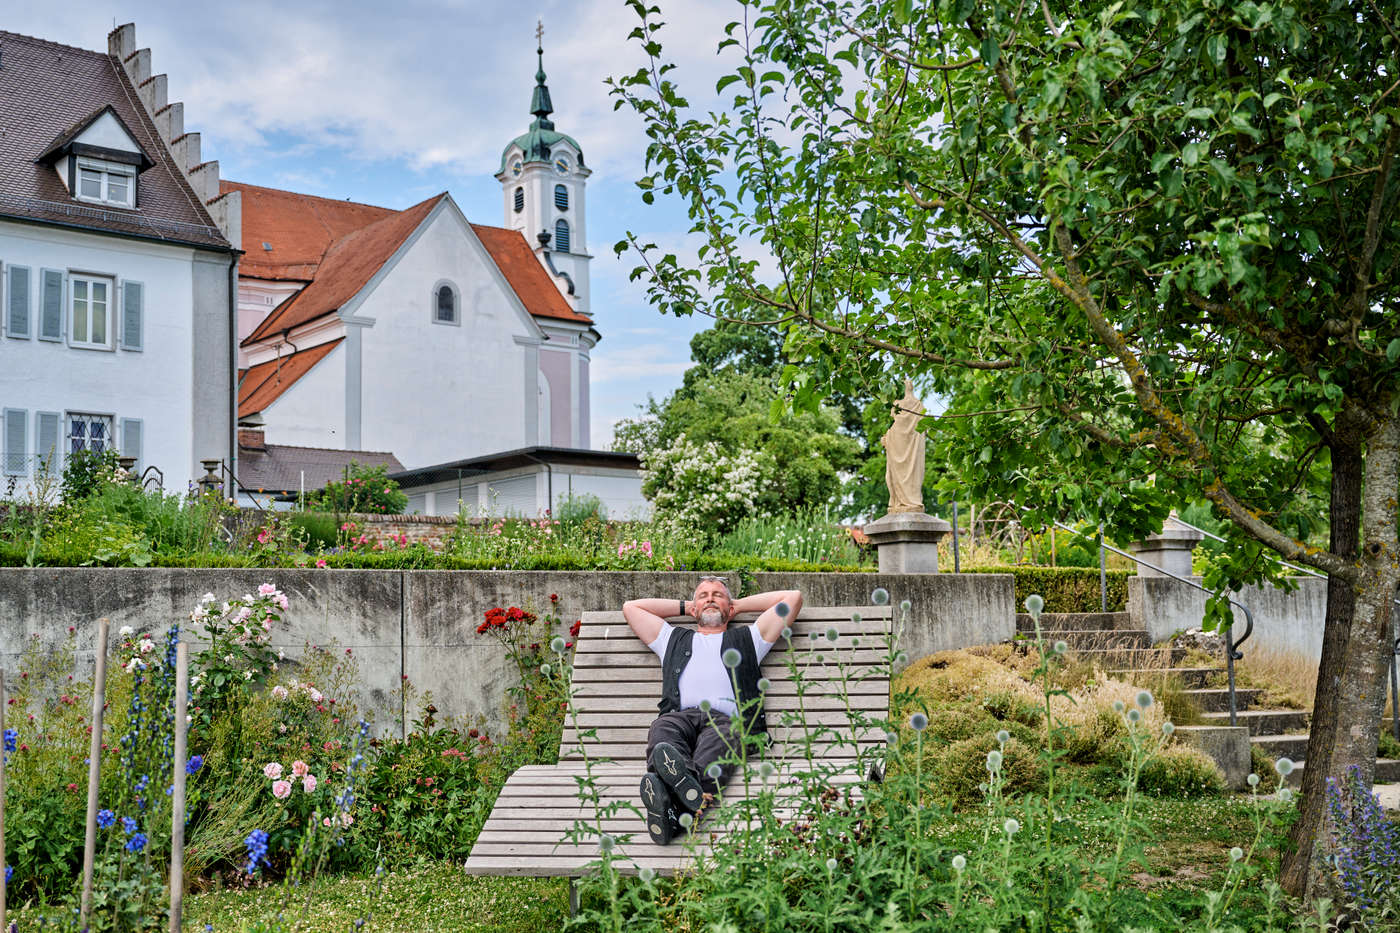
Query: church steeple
{"x": 540, "y": 104}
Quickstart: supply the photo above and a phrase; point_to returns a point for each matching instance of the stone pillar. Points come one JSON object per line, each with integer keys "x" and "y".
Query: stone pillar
{"x": 1170, "y": 549}
{"x": 907, "y": 542}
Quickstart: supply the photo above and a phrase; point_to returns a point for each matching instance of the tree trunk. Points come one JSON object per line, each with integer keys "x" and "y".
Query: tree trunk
{"x": 1359, "y": 685}
{"x": 1345, "y": 517}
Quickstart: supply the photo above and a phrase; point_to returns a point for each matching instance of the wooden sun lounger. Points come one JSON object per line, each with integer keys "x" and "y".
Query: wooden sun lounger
{"x": 616, "y": 686}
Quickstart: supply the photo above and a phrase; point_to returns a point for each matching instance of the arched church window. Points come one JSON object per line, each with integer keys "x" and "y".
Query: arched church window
{"x": 519, "y": 200}
{"x": 561, "y": 197}
{"x": 445, "y": 304}
{"x": 561, "y": 235}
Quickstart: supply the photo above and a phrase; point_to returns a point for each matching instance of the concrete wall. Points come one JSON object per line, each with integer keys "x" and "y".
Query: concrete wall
{"x": 1283, "y": 621}
{"x": 422, "y": 624}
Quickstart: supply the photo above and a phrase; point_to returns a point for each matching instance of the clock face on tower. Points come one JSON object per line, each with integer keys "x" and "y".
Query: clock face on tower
{"x": 516, "y": 168}
{"x": 561, "y": 165}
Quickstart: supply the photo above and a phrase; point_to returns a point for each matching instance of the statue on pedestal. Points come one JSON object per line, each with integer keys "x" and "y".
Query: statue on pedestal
{"x": 904, "y": 454}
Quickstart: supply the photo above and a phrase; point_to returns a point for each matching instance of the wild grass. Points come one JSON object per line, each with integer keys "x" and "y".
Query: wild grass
{"x": 1288, "y": 678}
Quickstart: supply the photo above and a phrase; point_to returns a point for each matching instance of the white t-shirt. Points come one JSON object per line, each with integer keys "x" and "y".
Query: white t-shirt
{"x": 705, "y": 677}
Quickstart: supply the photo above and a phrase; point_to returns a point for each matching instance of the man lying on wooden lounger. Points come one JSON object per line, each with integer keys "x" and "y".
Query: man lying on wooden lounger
{"x": 688, "y": 742}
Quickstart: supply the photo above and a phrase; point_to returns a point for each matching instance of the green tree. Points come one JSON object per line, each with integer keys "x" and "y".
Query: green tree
{"x": 1148, "y": 249}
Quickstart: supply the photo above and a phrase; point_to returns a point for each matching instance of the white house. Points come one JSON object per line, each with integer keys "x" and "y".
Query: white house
{"x": 116, "y": 277}
{"x": 419, "y": 333}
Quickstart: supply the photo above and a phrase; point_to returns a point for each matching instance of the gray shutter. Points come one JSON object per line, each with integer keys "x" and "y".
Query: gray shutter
{"x": 16, "y": 423}
{"x": 131, "y": 440}
{"x": 133, "y": 297}
{"x": 51, "y": 308}
{"x": 17, "y": 304}
{"x": 47, "y": 452}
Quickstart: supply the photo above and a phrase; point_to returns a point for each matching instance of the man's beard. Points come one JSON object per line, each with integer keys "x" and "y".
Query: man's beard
{"x": 711, "y": 617}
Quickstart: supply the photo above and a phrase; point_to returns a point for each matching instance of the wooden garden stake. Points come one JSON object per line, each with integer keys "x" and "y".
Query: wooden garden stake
{"x": 177, "y": 795}
{"x": 99, "y": 687}
{"x": 3, "y": 862}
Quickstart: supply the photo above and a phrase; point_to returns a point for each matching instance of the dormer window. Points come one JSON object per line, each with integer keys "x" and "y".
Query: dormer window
{"x": 98, "y": 160}
{"x": 106, "y": 182}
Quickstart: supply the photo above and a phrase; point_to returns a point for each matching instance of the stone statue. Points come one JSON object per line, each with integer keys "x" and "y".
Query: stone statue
{"x": 904, "y": 454}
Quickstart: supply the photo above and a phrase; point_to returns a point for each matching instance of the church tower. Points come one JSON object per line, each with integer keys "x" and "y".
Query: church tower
{"x": 543, "y": 178}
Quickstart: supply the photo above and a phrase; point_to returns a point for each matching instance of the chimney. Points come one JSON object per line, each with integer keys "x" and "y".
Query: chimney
{"x": 251, "y": 439}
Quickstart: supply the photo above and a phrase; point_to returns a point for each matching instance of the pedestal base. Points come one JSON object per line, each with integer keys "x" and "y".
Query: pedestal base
{"x": 907, "y": 542}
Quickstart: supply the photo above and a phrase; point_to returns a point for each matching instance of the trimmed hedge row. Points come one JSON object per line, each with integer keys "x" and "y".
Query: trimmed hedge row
{"x": 422, "y": 558}
{"x": 1065, "y": 589}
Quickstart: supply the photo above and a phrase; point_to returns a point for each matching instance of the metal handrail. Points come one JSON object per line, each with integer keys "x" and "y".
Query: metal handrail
{"x": 1232, "y": 653}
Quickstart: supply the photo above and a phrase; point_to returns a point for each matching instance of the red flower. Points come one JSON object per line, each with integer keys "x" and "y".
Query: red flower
{"x": 554, "y": 597}
{"x": 573, "y": 629}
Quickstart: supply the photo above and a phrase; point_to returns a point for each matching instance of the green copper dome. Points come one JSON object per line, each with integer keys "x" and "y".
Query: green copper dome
{"x": 537, "y": 142}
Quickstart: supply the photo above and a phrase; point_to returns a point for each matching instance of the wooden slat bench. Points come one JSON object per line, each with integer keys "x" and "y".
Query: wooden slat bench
{"x": 616, "y": 686}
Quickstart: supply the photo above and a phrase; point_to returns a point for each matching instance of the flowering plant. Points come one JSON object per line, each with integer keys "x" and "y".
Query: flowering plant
{"x": 362, "y": 489}
{"x": 238, "y": 657}
{"x": 699, "y": 489}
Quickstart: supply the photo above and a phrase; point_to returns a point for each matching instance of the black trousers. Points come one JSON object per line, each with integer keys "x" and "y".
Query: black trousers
{"x": 704, "y": 738}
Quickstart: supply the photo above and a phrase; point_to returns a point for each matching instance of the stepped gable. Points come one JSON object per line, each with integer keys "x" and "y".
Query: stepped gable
{"x": 48, "y": 90}
{"x": 348, "y": 264}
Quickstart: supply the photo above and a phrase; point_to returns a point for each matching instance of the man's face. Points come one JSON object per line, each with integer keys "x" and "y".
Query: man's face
{"x": 712, "y": 603}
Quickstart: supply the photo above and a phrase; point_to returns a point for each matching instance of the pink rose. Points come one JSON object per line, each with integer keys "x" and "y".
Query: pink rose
{"x": 272, "y": 770}
{"x": 325, "y": 821}
{"x": 279, "y": 692}
{"x": 281, "y": 789}
{"x": 266, "y": 589}
{"x": 299, "y": 768}
{"x": 282, "y": 602}
{"x": 308, "y": 783}
{"x": 346, "y": 819}
{"x": 320, "y": 564}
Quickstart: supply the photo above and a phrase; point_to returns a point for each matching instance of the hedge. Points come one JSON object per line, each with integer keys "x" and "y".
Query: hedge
{"x": 1065, "y": 589}
{"x": 421, "y": 558}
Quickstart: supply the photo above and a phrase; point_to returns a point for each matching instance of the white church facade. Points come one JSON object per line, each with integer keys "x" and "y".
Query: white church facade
{"x": 420, "y": 334}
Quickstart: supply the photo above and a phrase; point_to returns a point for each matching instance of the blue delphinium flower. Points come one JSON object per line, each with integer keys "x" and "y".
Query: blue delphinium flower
{"x": 194, "y": 764}
{"x": 105, "y": 819}
{"x": 256, "y": 844}
{"x": 129, "y": 825}
{"x": 11, "y": 738}
{"x": 9, "y": 873}
{"x": 136, "y": 843}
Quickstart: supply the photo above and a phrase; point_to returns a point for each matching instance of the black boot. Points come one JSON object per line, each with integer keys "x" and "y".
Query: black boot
{"x": 675, "y": 770}
{"x": 663, "y": 822}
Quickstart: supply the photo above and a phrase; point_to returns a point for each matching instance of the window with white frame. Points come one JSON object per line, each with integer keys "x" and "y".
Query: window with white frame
{"x": 89, "y": 432}
{"x": 106, "y": 182}
{"x": 90, "y": 311}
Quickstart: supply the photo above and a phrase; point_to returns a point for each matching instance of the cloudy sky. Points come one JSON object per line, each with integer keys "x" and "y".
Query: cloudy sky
{"x": 389, "y": 103}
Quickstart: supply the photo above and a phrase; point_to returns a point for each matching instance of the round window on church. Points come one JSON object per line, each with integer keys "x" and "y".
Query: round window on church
{"x": 561, "y": 165}
{"x": 516, "y": 168}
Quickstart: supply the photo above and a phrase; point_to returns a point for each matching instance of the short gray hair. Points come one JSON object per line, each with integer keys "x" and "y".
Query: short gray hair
{"x": 710, "y": 578}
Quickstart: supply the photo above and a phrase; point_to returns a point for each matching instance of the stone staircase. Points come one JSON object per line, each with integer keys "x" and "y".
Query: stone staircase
{"x": 1108, "y": 639}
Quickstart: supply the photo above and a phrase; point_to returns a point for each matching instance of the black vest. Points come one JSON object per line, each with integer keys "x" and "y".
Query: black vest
{"x": 749, "y": 700}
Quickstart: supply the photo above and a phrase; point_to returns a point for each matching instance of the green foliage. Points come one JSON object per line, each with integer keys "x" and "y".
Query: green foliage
{"x": 573, "y": 509}
{"x": 86, "y": 472}
{"x": 1066, "y": 589}
{"x": 362, "y": 489}
{"x": 808, "y": 537}
{"x": 799, "y": 456}
{"x": 319, "y": 529}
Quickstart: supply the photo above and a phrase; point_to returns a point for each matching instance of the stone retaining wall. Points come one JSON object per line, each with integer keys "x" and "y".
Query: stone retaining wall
{"x": 421, "y": 624}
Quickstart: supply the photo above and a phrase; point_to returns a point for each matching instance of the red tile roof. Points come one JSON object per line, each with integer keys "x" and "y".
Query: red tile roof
{"x": 337, "y": 246}
{"x": 46, "y": 89}
{"x": 349, "y": 263}
{"x": 522, "y": 269}
{"x": 299, "y": 228}
{"x": 260, "y": 385}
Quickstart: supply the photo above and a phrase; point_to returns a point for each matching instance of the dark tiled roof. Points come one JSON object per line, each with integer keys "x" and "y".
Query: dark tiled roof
{"x": 349, "y": 263}
{"x": 45, "y": 90}
{"x": 259, "y": 386}
{"x": 522, "y": 269}
{"x": 279, "y": 468}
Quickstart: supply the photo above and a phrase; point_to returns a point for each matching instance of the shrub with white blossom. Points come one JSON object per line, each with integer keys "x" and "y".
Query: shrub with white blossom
{"x": 700, "y": 490}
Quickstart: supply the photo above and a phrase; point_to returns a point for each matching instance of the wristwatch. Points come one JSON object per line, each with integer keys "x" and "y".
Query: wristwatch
{"x": 682, "y": 612}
